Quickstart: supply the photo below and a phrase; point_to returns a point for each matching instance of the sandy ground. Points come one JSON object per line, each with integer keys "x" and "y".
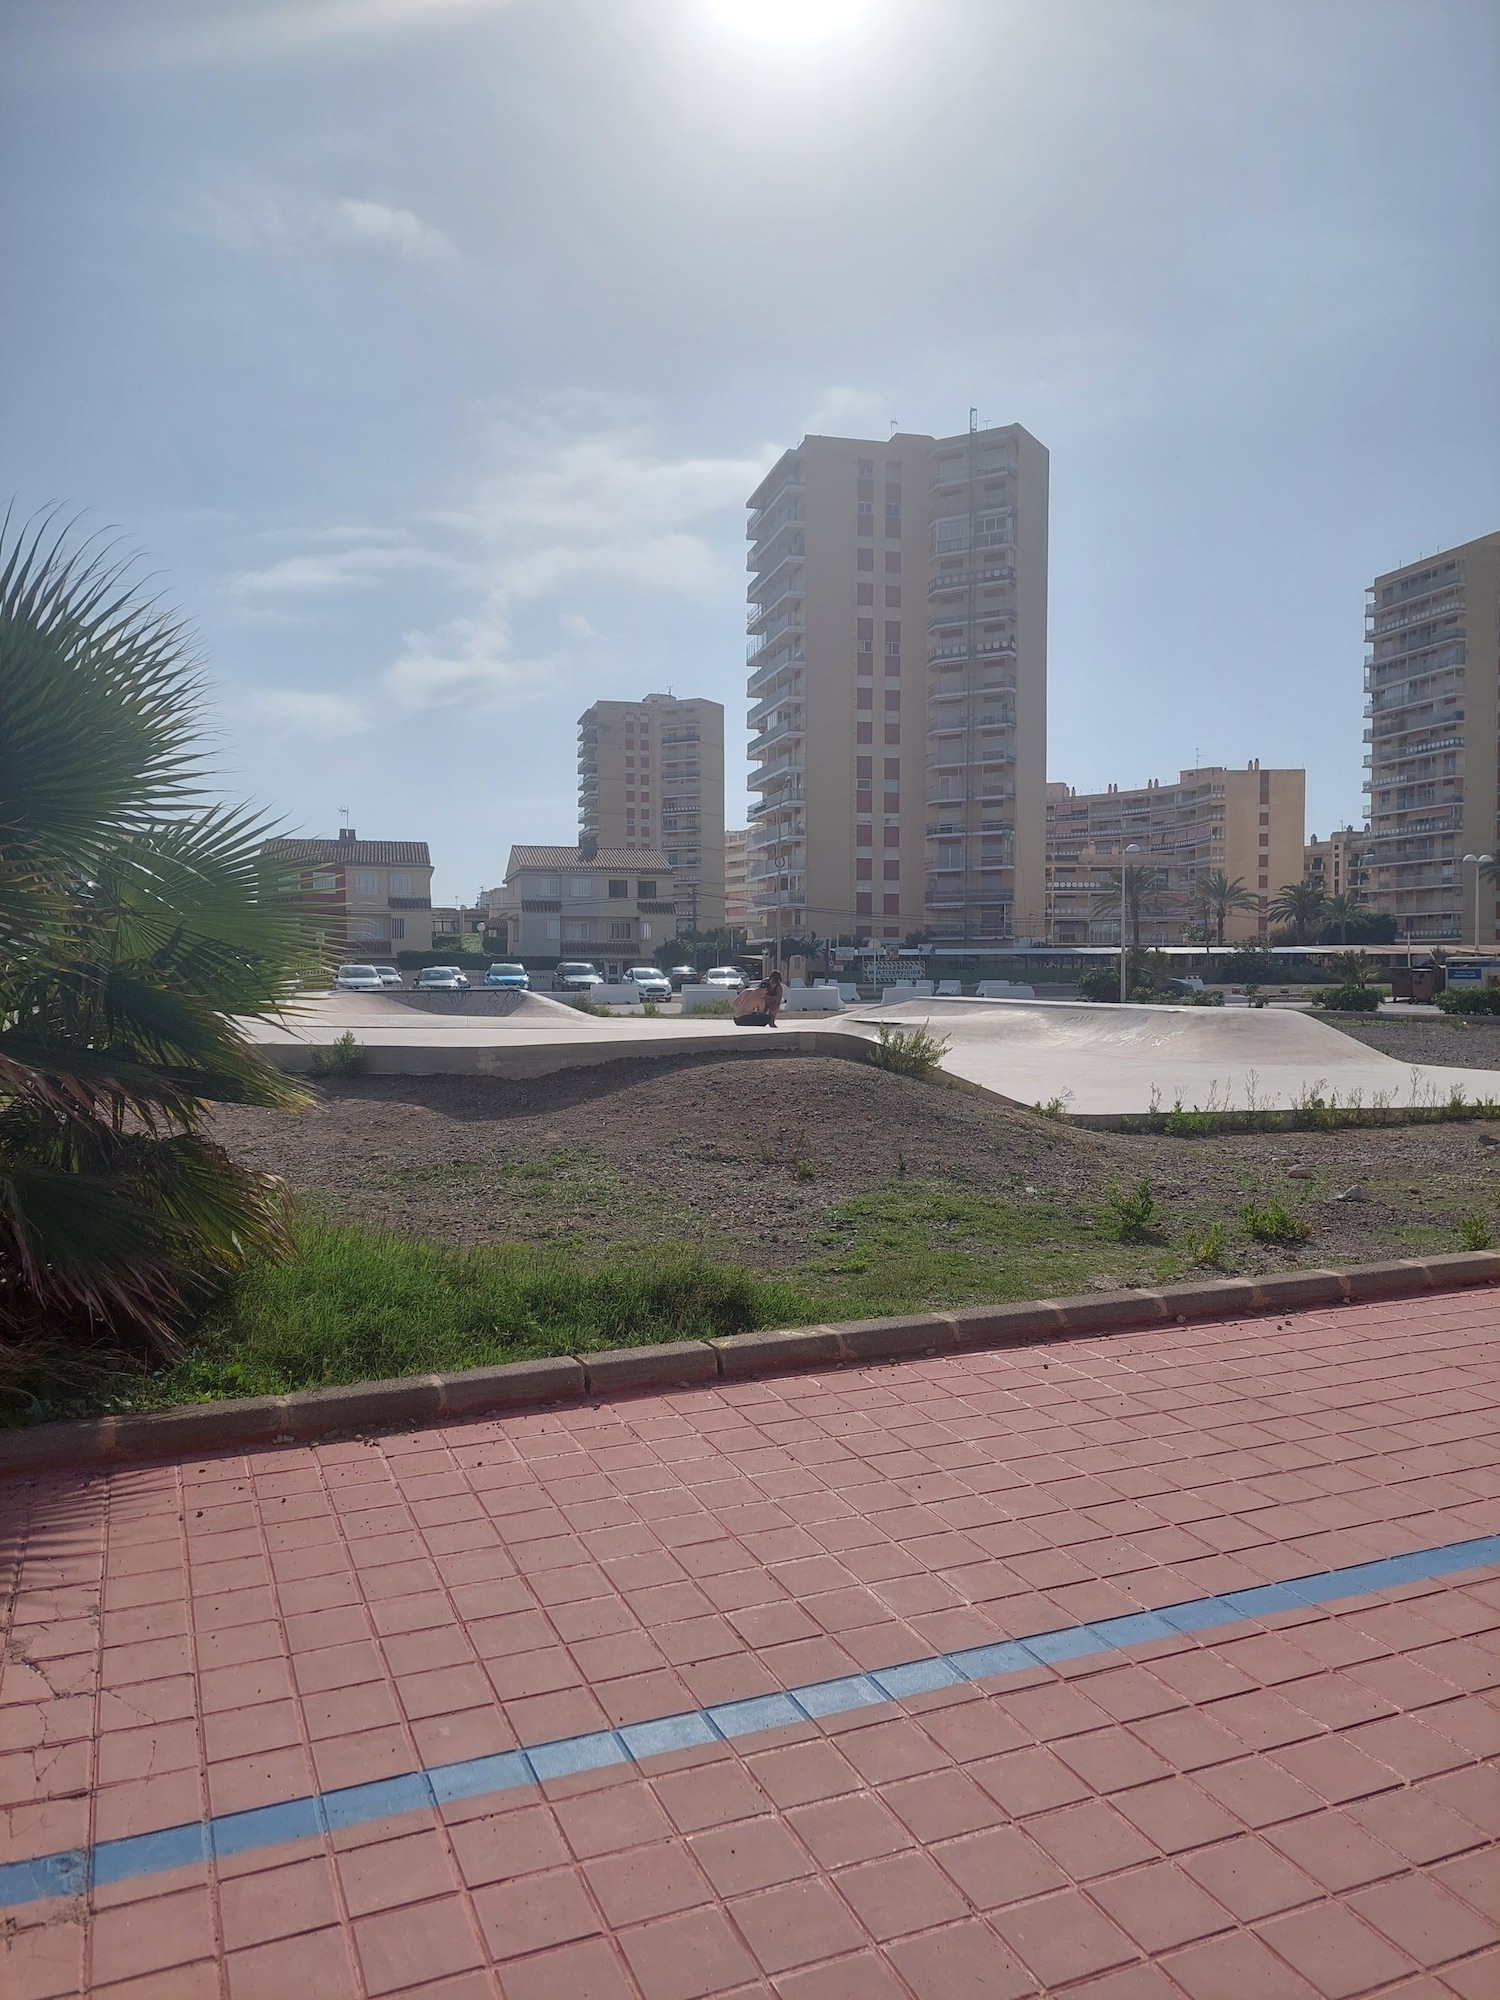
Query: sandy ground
{"x": 1449, "y": 1041}
{"x": 752, "y": 1159}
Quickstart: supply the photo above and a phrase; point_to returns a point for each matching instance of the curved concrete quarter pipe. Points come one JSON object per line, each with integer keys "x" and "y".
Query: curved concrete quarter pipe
{"x": 1111, "y": 1060}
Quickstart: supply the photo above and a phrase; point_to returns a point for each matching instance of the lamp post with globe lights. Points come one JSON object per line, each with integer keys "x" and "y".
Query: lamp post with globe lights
{"x": 1133, "y": 848}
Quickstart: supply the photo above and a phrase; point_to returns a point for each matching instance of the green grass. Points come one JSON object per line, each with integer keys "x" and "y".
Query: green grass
{"x": 358, "y": 1305}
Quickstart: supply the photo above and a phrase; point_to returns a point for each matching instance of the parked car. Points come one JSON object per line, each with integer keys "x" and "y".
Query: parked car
{"x": 389, "y": 976}
{"x": 728, "y": 978}
{"x": 515, "y": 977}
{"x": 682, "y": 975}
{"x": 651, "y": 984}
{"x": 575, "y": 975}
{"x": 442, "y": 979}
{"x": 358, "y": 979}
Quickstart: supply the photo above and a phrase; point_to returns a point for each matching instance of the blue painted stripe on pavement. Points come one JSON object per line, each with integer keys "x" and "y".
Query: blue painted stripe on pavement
{"x": 72, "y": 1872}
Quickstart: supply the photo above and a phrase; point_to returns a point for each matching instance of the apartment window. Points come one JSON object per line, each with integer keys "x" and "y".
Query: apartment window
{"x": 554, "y": 928}
{"x": 891, "y": 836}
{"x": 581, "y": 928}
{"x": 864, "y": 732}
{"x": 892, "y": 595}
{"x": 950, "y": 534}
{"x": 401, "y": 885}
{"x": 398, "y": 927}
{"x": 891, "y": 870}
{"x": 892, "y": 733}
{"x": 864, "y": 697}
{"x": 368, "y": 929}
{"x": 890, "y": 906}
{"x": 324, "y": 885}
{"x": 580, "y": 885}
{"x": 619, "y": 932}
{"x": 864, "y": 904}
{"x": 546, "y": 886}
{"x": 864, "y": 593}
{"x": 893, "y": 699}
{"x": 864, "y": 836}
{"x": 366, "y": 883}
{"x": 1265, "y": 819}
{"x": 865, "y": 630}
{"x": 892, "y": 768}
{"x": 864, "y": 769}
{"x": 864, "y": 868}
{"x": 619, "y": 891}
{"x": 867, "y": 468}
{"x": 646, "y": 889}
{"x": 893, "y": 635}
{"x": 864, "y": 559}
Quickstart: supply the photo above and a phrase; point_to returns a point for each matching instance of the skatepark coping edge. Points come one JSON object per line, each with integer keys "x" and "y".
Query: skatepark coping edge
{"x": 413, "y": 1402}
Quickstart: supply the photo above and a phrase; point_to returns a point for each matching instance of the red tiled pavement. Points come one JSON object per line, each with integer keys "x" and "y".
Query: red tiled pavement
{"x": 1309, "y": 1806}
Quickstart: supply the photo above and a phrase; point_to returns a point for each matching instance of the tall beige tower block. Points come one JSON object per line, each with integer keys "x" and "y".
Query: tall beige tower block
{"x": 1432, "y": 709}
{"x": 651, "y": 777}
{"x": 898, "y": 689}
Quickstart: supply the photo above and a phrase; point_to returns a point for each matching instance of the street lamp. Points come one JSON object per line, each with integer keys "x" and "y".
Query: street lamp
{"x": 1479, "y": 861}
{"x": 1133, "y": 848}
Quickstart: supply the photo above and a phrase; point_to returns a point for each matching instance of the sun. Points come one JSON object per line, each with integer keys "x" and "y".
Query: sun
{"x": 786, "y": 23}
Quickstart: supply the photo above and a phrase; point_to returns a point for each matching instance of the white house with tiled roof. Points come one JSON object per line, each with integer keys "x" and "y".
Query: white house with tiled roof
{"x": 611, "y": 905}
{"x": 376, "y": 895}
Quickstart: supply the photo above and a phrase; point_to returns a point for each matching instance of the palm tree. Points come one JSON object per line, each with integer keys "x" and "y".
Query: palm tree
{"x": 1141, "y": 885}
{"x": 136, "y": 925}
{"x": 1339, "y": 912}
{"x": 1302, "y": 905}
{"x": 1218, "y": 898}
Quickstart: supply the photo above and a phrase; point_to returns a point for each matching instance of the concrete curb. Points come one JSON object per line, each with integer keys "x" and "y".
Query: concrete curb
{"x": 418, "y": 1401}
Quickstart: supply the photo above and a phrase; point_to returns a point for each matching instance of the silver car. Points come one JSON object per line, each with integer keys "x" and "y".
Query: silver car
{"x": 358, "y": 979}
{"x": 442, "y": 979}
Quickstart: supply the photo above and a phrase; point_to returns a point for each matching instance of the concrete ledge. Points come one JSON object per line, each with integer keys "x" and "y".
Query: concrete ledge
{"x": 414, "y": 1400}
{"x": 742, "y": 1355}
{"x": 667, "y": 1366}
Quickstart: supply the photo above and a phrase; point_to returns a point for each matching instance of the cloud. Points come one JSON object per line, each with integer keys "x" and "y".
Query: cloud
{"x": 297, "y": 712}
{"x": 271, "y": 30}
{"x": 297, "y": 224}
{"x": 576, "y": 625}
{"x": 360, "y": 567}
{"x": 569, "y": 510}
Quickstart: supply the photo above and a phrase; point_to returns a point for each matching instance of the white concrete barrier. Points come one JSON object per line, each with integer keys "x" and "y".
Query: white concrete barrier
{"x": 811, "y": 1000}
{"x": 1004, "y": 989}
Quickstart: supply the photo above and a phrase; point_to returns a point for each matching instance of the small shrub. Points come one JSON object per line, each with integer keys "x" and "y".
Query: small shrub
{"x": 1474, "y": 1233}
{"x": 1134, "y": 1212}
{"x": 801, "y": 1159}
{"x": 718, "y": 1010}
{"x": 1348, "y": 999}
{"x": 1205, "y": 999}
{"x": 344, "y": 1057}
{"x": 1470, "y": 1000}
{"x": 1053, "y": 1107}
{"x": 908, "y": 1051}
{"x": 1211, "y": 1249}
{"x": 1101, "y": 983}
{"x": 1275, "y": 1223}
{"x": 587, "y": 1005}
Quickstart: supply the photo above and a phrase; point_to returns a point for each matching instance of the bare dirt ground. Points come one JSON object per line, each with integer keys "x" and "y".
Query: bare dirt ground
{"x": 754, "y": 1160}
{"x": 1463, "y": 1043}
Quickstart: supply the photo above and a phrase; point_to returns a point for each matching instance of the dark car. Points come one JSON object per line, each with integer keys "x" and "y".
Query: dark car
{"x": 575, "y": 975}
{"x": 682, "y": 975}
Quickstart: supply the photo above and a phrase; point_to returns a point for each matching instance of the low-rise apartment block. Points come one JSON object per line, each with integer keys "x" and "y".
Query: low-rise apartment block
{"x": 369, "y": 896}
{"x": 898, "y": 688}
{"x": 651, "y": 780}
{"x": 736, "y": 881}
{"x": 1432, "y": 709}
{"x": 1247, "y": 825}
{"x": 611, "y": 905}
{"x": 1338, "y": 865}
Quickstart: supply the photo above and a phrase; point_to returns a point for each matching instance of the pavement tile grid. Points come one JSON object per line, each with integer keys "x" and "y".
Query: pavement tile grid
{"x": 1306, "y": 1805}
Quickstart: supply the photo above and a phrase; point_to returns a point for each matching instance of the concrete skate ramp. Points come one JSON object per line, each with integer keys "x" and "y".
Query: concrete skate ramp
{"x": 1107, "y": 1060}
{"x": 536, "y": 1009}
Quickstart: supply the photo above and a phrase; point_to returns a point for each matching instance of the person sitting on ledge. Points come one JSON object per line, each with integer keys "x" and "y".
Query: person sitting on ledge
{"x": 758, "y": 1006}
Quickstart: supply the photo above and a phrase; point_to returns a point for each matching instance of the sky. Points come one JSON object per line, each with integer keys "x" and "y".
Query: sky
{"x": 427, "y": 350}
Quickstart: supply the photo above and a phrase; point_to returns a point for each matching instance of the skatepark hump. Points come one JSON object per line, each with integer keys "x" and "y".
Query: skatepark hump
{"x": 1105, "y": 1060}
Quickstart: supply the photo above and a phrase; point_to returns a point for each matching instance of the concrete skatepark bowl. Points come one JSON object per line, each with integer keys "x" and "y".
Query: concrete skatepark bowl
{"x": 1097, "y": 1061}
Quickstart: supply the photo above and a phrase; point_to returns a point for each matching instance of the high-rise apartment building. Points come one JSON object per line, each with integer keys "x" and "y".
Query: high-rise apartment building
{"x": 1338, "y": 865}
{"x": 898, "y": 689}
{"x": 736, "y": 881}
{"x": 1432, "y": 682}
{"x": 651, "y": 777}
{"x": 1247, "y": 825}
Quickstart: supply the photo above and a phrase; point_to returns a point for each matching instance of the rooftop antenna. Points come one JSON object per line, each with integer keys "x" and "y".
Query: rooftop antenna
{"x": 344, "y": 814}
{"x": 894, "y": 423}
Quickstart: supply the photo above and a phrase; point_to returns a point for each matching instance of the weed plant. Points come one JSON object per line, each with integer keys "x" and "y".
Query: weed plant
{"x": 1274, "y": 1223}
{"x": 1134, "y": 1212}
{"x": 1474, "y": 1233}
{"x": 908, "y": 1051}
{"x": 344, "y": 1057}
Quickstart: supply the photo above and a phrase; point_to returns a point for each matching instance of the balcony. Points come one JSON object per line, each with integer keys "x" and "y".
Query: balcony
{"x": 963, "y": 579}
{"x": 788, "y": 540}
{"x": 768, "y": 773}
{"x": 785, "y": 732}
{"x": 758, "y": 614}
{"x": 791, "y": 488}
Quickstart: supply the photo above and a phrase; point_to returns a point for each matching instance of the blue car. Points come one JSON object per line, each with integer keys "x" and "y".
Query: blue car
{"x": 515, "y": 977}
